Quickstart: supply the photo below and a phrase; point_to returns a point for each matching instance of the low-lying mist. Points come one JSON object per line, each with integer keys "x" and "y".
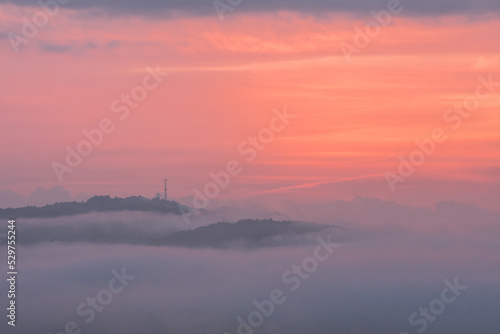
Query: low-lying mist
{"x": 369, "y": 286}
{"x": 422, "y": 275}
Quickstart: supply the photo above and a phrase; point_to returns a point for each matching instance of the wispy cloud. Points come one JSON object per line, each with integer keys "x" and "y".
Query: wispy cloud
{"x": 160, "y": 8}
{"x": 316, "y": 184}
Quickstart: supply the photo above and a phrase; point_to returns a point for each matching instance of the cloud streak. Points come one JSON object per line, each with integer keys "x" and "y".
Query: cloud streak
{"x": 173, "y": 8}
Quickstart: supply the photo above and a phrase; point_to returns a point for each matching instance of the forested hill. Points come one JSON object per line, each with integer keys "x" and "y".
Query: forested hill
{"x": 247, "y": 233}
{"x": 96, "y": 204}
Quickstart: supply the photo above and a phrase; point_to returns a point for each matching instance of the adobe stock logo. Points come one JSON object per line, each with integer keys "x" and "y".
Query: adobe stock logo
{"x": 436, "y": 307}
{"x": 122, "y": 107}
{"x": 249, "y": 149}
{"x": 222, "y": 7}
{"x": 30, "y": 28}
{"x": 292, "y": 279}
{"x": 455, "y": 117}
{"x": 372, "y": 29}
{"x": 92, "y": 306}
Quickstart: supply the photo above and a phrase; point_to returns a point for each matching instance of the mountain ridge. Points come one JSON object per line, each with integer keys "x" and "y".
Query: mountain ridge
{"x": 96, "y": 204}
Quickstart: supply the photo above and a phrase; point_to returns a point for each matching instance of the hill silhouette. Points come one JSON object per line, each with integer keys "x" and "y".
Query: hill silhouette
{"x": 96, "y": 204}
{"x": 247, "y": 233}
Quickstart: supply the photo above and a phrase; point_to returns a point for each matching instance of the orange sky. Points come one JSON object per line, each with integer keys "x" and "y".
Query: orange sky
{"x": 352, "y": 121}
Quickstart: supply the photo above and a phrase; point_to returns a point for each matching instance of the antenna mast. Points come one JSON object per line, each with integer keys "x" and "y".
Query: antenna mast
{"x": 165, "y": 189}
